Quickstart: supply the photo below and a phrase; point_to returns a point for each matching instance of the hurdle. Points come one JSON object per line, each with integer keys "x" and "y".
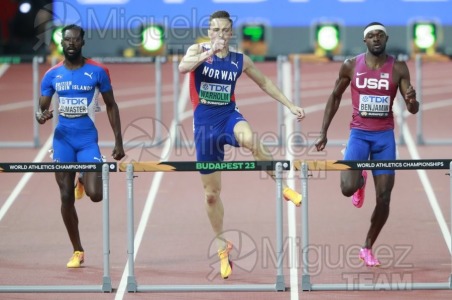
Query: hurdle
{"x": 105, "y": 168}
{"x": 340, "y": 165}
{"x": 35, "y": 61}
{"x": 157, "y": 61}
{"x": 420, "y": 139}
{"x": 187, "y": 166}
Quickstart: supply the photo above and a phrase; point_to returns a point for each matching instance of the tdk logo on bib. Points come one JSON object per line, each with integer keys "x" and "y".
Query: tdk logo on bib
{"x": 212, "y": 87}
{"x": 73, "y": 101}
{"x": 375, "y": 99}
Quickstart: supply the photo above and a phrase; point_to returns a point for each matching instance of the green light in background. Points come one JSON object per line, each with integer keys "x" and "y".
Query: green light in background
{"x": 152, "y": 38}
{"x": 328, "y": 37}
{"x": 57, "y": 36}
{"x": 424, "y": 35}
{"x": 253, "y": 33}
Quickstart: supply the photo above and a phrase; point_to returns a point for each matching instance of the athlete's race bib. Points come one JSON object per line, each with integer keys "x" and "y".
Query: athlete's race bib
{"x": 215, "y": 93}
{"x": 371, "y": 106}
{"x": 73, "y": 107}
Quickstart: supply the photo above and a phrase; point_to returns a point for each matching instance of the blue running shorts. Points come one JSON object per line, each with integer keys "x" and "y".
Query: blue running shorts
{"x": 373, "y": 145}
{"x": 210, "y": 139}
{"x": 75, "y": 145}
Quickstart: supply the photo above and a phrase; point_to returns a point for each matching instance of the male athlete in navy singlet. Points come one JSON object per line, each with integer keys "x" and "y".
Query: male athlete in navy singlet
{"x": 214, "y": 69}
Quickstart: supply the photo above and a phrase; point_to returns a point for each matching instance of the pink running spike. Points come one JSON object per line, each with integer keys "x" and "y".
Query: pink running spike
{"x": 369, "y": 259}
{"x": 358, "y": 196}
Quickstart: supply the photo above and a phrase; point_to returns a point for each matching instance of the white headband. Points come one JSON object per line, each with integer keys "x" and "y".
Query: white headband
{"x": 374, "y": 27}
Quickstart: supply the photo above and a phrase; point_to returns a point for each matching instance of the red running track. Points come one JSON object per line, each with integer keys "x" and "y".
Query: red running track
{"x": 174, "y": 232}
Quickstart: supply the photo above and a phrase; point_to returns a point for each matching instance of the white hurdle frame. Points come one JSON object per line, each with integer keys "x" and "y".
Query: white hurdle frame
{"x": 279, "y": 284}
{"x": 420, "y": 139}
{"x": 106, "y": 286}
{"x": 306, "y": 284}
{"x": 35, "y": 142}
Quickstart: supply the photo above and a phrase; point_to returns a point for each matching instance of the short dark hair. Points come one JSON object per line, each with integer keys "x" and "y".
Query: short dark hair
{"x": 221, "y": 14}
{"x": 73, "y": 26}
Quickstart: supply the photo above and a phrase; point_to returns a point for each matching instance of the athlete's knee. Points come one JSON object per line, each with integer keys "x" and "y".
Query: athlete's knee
{"x": 66, "y": 194}
{"x": 95, "y": 196}
{"x": 248, "y": 143}
{"x": 384, "y": 198}
{"x": 212, "y": 197}
{"x": 347, "y": 189}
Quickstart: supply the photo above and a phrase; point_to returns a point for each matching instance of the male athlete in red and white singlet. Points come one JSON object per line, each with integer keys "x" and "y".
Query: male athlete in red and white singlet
{"x": 374, "y": 77}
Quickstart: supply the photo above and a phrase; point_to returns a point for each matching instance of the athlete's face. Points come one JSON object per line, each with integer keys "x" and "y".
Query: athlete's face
{"x": 376, "y": 42}
{"x": 72, "y": 44}
{"x": 220, "y": 29}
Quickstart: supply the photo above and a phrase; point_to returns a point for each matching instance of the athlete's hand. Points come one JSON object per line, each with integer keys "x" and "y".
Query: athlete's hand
{"x": 42, "y": 117}
{"x": 410, "y": 95}
{"x": 320, "y": 143}
{"x": 118, "y": 152}
{"x": 218, "y": 45}
{"x": 298, "y": 111}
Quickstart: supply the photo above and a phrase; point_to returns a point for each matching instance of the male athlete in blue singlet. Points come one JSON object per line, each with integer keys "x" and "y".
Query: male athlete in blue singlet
{"x": 374, "y": 77}
{"x": 77, "y": 82}
{"x": 214, "y": 69}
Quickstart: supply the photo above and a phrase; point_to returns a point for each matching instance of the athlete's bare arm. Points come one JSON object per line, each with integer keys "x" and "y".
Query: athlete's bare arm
{"x": 43, "y": 114}
{"x": 115, "y": 123}
{"x": 334, "y": 100}
{"x": 406, "y": 89}
{"x": 269, "y": 87}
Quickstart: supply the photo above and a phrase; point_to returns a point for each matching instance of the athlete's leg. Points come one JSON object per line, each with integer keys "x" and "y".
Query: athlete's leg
{"x": 92, "y": 181}
{"x": 357, "y": 149}
{"x": 383, "y": 188}
{"x": 383, "y": 148}
{"x": 64, "y": 152}
{"x": 93, "y": 185}
{"x": 247, "y": 139}
{"x": 65, "y": 181}
{"x": 214, "y": 206}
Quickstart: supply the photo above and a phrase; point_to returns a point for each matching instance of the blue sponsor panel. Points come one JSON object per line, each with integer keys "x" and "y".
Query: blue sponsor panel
{"x": 114, "y": 14}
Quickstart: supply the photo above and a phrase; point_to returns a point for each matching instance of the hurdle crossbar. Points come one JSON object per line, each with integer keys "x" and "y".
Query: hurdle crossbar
{"x": 105, "y": 168}
{"x": 341, "y": 165}
{"x": 277, "y": 166}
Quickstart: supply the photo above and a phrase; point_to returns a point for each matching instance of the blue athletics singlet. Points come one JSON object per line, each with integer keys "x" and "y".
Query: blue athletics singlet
{"x": 212, "y": 87}
{"x": 75, "y": 137}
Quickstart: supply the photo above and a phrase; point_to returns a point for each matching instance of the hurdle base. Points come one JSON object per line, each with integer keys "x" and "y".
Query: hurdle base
{"x": 209, "y": 288}
{"x": 382, "y": 287}
{"x": 51, "y": 289}
{"x": 131, "y": 284}
{"x": 280, "y": 285}
{"x": 306, "y": 283}
{"x": 106, "y": 284}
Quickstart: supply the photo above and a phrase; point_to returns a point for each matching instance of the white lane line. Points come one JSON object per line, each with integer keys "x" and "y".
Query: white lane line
{"x": 144, "y": 220}
{"x": 25, "y": 178}
{"x": 3, "y": 69}
{"x": 431, "y": 196}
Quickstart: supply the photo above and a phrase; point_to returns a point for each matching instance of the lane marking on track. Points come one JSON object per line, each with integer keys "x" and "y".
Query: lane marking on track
{"x": 431, "y": 196}
{"x": 152, "y": 195}
{"x": 25, "y": 178}
{"x": 3, "y": 69}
